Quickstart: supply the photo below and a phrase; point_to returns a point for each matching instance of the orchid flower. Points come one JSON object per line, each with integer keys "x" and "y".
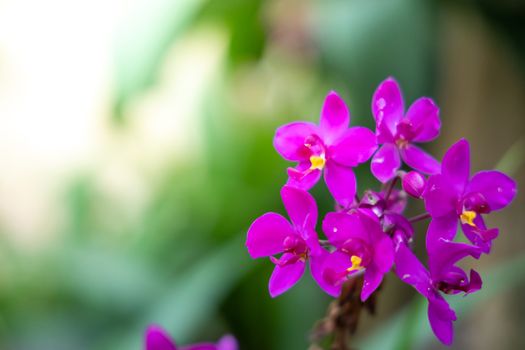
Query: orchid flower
{"x": 272, "y": 234}
{"x": 361, "y": 247}
{"x": 398, "y": 131}
{"x": 157, "y": 338}
{"x": 452, "y": 197}
{"x": 330, "y": 146}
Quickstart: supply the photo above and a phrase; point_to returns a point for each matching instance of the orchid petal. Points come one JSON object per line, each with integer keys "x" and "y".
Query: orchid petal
{"x": 289, "y": 140}
{"x": 383, "y": 252}
{"x": 227, "y": 342}
{"x": 158, "y": 339}
{"x": 446, "y": 254}
{"x": 440, "y": 197}
{"x": 479, "y": 235}
{"x": 355, "y": 147}
{"x": 419, "y": 160}
{"x": 335, "y": 118}
{"x": 300, "y": 206}
{"x": 339, "y": 227}
{"x": 317, "y": 264}
{"x": 441, "y": 317}
{"x": 411, "y": 271}
{"x": 423, "y": 115}
{"x": 371, "y": 281}
{"x": 497, "y": 188}
{"x": 441, "y": 229}
{"x": 266, "y": 235}
{"x": 302, "y": 176}
{"x": 341, "y": 183}
{"x": 385, "y": 162}
{"x": 456, "y": 165}
{"x": 387, "y": 105}
{"x": 285, "y": 277}
{"x": 333, "y": 271}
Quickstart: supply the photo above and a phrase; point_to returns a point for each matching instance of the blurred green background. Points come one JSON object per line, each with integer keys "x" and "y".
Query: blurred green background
{"x": 136, "y": 149}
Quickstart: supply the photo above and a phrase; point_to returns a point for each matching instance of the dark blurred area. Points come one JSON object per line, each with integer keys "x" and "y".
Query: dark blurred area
{"x": 136, "y": 149}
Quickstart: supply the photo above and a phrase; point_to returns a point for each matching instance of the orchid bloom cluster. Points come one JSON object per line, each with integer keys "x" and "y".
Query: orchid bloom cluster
{"x": 368, "y": 236}
{"x": 156, "y": 338}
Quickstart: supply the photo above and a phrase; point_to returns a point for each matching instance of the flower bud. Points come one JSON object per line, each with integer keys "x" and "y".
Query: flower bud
{"x": 414, "y": 184}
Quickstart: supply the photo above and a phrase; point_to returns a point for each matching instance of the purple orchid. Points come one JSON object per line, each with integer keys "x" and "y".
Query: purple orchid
{"x": 452, "y": 197}
{"x": 397, "y": 131}
{"x": 361, "y": 246}
{"x": 443, "y": 276}
{"x": 157, "y": 338}
{"x": 331, "y": 146}
{"x": 384, "y": 202}
{"x": 272, "y": 234}
{"x": 366, "y": 236}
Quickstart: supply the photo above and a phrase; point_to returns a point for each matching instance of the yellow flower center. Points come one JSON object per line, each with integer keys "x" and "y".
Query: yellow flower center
{"x": 401, "y": 143}
{"x": 467, "y": 217}
{"x": 356, "y": 263}
{"x": 317, "y": 162}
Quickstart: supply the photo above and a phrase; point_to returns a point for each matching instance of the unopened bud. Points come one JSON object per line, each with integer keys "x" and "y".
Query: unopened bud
{"x": 414, "y": 184}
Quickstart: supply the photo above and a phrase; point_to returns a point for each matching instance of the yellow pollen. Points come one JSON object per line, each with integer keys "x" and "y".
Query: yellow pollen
{"x": 467, "y": 217}
{"x": 317, "y": 162}
{"x": 356, "y": 263}
{"x": 401, "y": 143}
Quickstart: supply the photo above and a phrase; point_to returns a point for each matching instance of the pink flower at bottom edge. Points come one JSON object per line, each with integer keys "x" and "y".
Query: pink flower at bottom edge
{"x": 156, "y": 338}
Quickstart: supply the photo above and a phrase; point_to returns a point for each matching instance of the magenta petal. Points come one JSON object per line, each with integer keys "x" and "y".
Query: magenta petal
{"x": 333, "y": 272}
{"x": 355, "y": 147}
{"x": 475, "y": 282}
{"x": 497, "y": 188}
{"x": 157, "y": 339}
{"x": 411, "y": 271}
{"x": 420, "y": 160}
{"x": 387, "y": 105}
{"x": 266, "y": 235}
{"x": 227, "y": 342}
{"x": 440, "y": 197}
{"x": 317, "y": 264}
{"x": 372, "y": 279}
{"x": 439, "y": 229}
{"x": 446, "y": 254}
{"x": 423, "y": 115}
{"x": 383, "y": 252}
{"x": 335, "y": 118}
{"x": 302, "y": 177}
{"x": 456, "y": 164}
{"x": 441, "y": 317}
{"x": 300, "y": 206}
{"x": 385, "y": 162}
{"x": 341, "y": 183}
{"x": 289, "y": 140}
{"x": 338, "y": 227}
{"x": 285, "y": 277}
{"x": 480, "y": 235}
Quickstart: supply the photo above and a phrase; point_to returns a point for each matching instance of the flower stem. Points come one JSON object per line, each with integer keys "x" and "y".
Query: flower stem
{"x": 390, "y": 187}
{"x": 420, "y": 217}
{"x": 342, "y": 317}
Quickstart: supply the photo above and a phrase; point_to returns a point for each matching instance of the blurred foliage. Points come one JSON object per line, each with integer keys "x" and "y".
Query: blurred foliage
{"x": 181, "y": 262}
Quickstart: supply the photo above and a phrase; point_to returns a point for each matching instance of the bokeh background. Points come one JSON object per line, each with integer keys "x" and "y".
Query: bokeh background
{"x": 136, "y": 149}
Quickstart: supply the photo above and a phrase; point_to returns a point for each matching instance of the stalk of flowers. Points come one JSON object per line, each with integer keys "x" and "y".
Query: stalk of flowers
{"x": 368, "y": 236}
